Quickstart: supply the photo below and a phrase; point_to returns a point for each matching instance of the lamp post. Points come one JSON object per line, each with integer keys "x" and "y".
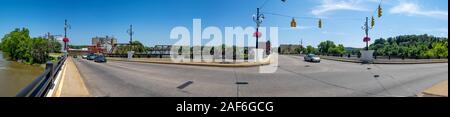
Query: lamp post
{"x": 366, "y": 54}
{"x": 258, "y": 19}
{"x": 130, "y": 32}
{"x": 66, "y": 40}
{"x": 366, "y": 29}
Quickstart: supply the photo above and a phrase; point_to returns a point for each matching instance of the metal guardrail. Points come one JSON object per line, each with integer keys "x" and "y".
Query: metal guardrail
{"x": 43, "y": 83}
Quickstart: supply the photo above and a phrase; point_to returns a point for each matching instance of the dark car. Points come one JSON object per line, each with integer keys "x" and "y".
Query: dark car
{"x": 100, "y": 59}
{"x": 91, "y": 57}
{"x": 312, "y": 58}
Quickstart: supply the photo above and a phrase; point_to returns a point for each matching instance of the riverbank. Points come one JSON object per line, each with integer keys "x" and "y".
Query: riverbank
{"x": 15, "y": 75}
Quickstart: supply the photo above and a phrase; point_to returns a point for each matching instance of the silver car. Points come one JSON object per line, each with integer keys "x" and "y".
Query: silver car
{"x": 312, "y": 58}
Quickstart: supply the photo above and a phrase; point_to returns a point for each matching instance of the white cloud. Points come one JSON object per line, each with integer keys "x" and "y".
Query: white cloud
{"x": 442, "y": 32}
{"x": 336, "y": 5}
{"x": 412, "y": 9}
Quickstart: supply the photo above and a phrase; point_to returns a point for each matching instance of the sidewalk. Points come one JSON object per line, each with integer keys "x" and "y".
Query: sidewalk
{"x": 71, "y": 84}
{"x": 438, "y": 90}
{"x": 211, "y": 64}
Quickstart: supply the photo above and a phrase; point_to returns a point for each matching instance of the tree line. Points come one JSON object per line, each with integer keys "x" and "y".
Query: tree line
{"x": 324, "y": 48}
{"x": 19, "y": 46}
{"x": 406, "y": 46}
{"x": 411, "y": 46}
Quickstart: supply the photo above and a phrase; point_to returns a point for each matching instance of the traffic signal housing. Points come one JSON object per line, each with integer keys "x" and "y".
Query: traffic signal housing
{"x": 372, "y": 22}
{"x": 320, "y": 23}
{"x": 380, "y": 11}
{"x": 293, "y": 23}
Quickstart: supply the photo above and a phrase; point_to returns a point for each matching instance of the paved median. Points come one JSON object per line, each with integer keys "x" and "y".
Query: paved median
{"x": 438, "y": 90}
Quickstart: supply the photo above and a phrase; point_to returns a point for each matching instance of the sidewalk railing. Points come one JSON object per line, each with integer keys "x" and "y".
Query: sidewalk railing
{"x": 43, "y": 83}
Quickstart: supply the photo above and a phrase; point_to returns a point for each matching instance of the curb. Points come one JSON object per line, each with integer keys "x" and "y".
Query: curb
{"x": 437, "y": 90}
{"x": 356, "y": 61}
{"x": 196, "y": 64}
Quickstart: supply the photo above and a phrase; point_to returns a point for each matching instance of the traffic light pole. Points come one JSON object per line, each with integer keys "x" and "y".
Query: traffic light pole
{"x": 366, "y": 30}
{"x": 258, "y": 23}
{"x": 130, "y": 32}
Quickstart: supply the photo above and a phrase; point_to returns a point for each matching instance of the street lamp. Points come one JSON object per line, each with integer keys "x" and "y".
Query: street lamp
{"x": 130, "y": 32}
{"x": 66, "y": 40}
{"x": 258, "y": 19}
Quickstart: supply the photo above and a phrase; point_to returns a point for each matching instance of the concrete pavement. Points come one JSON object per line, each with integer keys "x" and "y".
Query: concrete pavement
{"x": 294, "y": 78}
{"x": 211, "y": 64}
{"x": 71, "y": 83}
{"x": 387, "y": 61}
{"x": 438, "y": 90}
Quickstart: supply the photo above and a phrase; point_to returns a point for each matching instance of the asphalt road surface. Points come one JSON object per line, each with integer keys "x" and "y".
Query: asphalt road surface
{"x": 294, "y": 78}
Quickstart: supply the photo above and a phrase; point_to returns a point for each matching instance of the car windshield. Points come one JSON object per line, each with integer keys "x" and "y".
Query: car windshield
{"x": 312, "y": 55}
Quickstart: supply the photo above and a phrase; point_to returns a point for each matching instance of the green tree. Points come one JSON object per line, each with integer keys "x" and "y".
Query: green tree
{"x": 417, "y": 46}
{"x": 439, "y": 50}
{"x": 310, "y": 50}
{"x": 54, "y": 46}
{"x": 326, "y": 46}
{"x": 137, "y": 47}
{"x": 17, "y": 44}
{"x": 340, "y": 49}
{"x": 39, "y": 50}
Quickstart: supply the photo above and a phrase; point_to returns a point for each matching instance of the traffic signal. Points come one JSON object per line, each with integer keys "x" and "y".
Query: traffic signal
{"x": 380, "y": 11}
{"x": 373, "y": 22}
{"x": 320, "y": 23}
{"x": 293, "y": 23}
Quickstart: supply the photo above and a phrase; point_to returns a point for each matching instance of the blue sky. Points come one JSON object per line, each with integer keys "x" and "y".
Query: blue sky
{"x": 154, "y": 19}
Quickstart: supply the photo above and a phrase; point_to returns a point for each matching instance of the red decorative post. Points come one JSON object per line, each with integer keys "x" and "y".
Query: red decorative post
{"x": 65, "y": 40}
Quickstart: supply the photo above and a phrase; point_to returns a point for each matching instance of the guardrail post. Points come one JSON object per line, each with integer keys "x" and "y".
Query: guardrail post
{"x": 49, "y": 66}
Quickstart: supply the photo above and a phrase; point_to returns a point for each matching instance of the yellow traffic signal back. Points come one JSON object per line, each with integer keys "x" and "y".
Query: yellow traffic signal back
{"x": 293, "y": 23}
{"x": 373, "y": 22}
{"x": 380, "y": 11}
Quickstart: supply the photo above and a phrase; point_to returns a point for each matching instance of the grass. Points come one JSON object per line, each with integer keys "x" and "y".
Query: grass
{"x": 55, "y": 55}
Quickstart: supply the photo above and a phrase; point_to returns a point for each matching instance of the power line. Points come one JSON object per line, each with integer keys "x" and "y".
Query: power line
{"x": 289, "y": 16}
{"x": 264, "y": 4}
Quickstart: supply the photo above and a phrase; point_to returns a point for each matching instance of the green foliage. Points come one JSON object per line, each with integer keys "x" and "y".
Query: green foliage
{"x": 40, "y": 50}
{"x": 19, "y": 46}
{"x": 310, "y": 50}
{"x": 137, "y": 47}
{"x": 328, "y": 47}
{"x": 54, "y": 46}
{"x": 413, "y": 46}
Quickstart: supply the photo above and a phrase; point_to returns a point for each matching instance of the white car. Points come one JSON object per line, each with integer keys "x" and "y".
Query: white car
{"x": 312, "y": 58}
{"x": 84, "y": 56}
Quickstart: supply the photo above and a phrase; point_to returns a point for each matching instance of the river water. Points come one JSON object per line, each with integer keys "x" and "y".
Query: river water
{"x": 14, "y": 76}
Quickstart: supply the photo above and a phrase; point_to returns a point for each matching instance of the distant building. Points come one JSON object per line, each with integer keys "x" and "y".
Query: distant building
{"x": 104, "y": 44}
{"x": 289, "y": 49}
